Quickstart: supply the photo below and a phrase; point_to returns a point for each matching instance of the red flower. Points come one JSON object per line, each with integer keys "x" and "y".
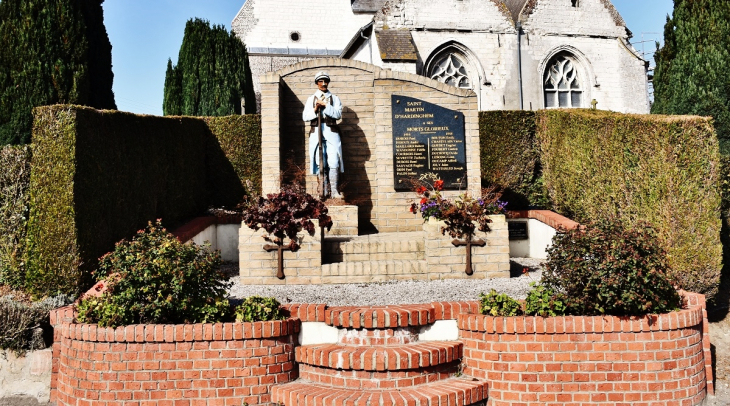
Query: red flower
{"x": 413, "y": 208}
{"x": 421, "y": 190}
{"x": 424, "y": 200}
{"x": 438, "y": 185}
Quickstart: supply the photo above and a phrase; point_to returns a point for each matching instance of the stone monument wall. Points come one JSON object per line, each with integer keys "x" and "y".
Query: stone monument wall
{"x": 367, "y": 135}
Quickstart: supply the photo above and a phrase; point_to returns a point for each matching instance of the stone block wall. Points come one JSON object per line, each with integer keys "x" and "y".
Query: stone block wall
{"x": 366, "y": 132}
{"x": 445, "y": 261}
{"x": 259, "y": 267}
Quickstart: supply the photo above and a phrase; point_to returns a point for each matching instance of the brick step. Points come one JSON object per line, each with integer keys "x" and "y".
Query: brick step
{"x": 380, "y": 358}
{"x": 392, "y": 268}
{"x": 380, "y": 317}
{"x": 354, "y": 379}
{"x": 448, "y": 392}
{"x": 386, "y": 246}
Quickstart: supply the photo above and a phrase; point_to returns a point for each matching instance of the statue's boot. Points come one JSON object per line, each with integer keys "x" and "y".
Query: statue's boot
{"x": 334, "y": 179}
{"x": 326, "y": 185}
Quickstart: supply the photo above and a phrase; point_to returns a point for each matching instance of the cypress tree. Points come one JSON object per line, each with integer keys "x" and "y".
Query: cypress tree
{"x": 45, "y": 52}
{"x": 690, "y": 75}
{"x": 212, "y": 74}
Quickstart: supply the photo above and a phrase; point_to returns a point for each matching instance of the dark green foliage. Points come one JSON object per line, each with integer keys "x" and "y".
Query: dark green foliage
{"x": 494, "y": 304}
{"x": 97, "y": 177}
{"x": 156, "y": 279}
{"x": 257, "y": 308}
{"x": 14, "y": 201}
{"x": 656, "y": 169}
{"x": 543, "y": 301}
{"x": 212, "y": 74}
{"x": 510, "y": 158}
{"x": 691, "y": 68}
{"x": 22, "y": 326}
{"x": 239, "y": 138}
{"x": 609, "y": 269}
{"x": 51, "y": 51}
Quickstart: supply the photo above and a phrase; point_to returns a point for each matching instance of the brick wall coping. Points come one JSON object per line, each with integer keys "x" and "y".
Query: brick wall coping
{"x": 381, "y": 316}
{"x": 548, "y": 217}
{"x": 187, "y": 231}
{"x": 581, "y": 324}
{"x": 170, "y": 333}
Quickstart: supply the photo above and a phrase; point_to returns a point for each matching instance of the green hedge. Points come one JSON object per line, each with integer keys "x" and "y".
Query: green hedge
{"x": 99, "y": 176}
{"x": 510, "y": 158}
{"x": 239, "y": 139}
{"x": 661, "y": 169}
{"x": 14, "y": 180}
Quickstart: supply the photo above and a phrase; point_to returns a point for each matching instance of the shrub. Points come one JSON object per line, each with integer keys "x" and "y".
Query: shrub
{"x": 156, "y": 279}
{"x": 657, "y": 169}
{"x": 501, "y": 304}
{"x": 257, "y": 308}
{"x": 14, "y": 200}
{"x": 22, "y": 326}
{"x": 608, "y": 269}
{"x": 543, "y": 301}
{"x": 285, "y": 214}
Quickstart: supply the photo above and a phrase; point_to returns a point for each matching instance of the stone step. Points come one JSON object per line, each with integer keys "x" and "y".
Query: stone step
{"x": 390, "y": 268}
{"x": 447, "y": 392}
{"x": 381, "y": 317}
{"x": 356, "y": 379}
{"x": 380, "y": 358}
{"x": 388, "y": 246}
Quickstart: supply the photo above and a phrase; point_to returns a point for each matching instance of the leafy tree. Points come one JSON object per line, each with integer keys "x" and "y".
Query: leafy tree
{"x": 212, "y": 74}
{"x": 51, "y": 51}
{"x": 691, "y": 72}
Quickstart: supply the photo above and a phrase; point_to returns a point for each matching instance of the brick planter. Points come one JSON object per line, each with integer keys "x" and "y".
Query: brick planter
{"x": 656, "y": 359}
{"x": 195, "y": 364}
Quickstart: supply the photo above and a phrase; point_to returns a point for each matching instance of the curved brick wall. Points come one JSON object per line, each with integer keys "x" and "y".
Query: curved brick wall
{"x": 657, "y": 359}
{"x": 196, "y": 364}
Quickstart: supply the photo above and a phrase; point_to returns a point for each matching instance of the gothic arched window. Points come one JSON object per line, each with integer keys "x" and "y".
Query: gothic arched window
{"x": 449, "y": 68}
{"x": 562, "y": 83}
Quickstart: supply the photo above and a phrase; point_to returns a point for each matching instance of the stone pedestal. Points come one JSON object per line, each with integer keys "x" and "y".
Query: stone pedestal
{"x": 445, "y": 261}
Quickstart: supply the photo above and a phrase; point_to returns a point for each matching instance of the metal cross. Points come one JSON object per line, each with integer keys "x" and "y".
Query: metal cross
{"x": 468, "y": 243}
{"x": 280, "y": 248}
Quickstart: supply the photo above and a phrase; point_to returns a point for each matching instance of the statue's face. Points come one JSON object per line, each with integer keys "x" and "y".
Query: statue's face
{"x": 322, "y": 84}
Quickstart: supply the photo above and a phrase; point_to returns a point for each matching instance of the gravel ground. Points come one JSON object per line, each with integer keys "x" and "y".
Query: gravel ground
{"x": 391, "y": 293}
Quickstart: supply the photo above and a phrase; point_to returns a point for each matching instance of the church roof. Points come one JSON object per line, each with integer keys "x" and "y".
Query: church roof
{"x": 367, "y": 6}
{"x": 515, "y": 8}
{"x": 396, "y": 45}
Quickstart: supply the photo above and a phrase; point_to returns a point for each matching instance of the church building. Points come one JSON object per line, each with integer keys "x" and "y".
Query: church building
{"x": 514, "y": 54}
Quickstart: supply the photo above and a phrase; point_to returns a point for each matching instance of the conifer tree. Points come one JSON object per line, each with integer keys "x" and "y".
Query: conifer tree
{"x": 691, "y": 68}
{"x": 211, "y": 76}
{"x": 51, "y": 51}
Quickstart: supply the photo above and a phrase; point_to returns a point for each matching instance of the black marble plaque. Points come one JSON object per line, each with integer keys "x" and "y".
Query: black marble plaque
{"x": 427, "y": 139}
{"x": 517, "y": 230}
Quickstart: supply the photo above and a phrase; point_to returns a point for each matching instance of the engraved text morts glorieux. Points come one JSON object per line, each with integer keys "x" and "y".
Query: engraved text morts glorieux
{"x": 427, "y": 139}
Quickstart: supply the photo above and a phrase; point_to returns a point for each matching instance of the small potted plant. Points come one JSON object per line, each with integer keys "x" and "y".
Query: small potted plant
{"x": 462, "y": 216}
{"x": 284, "y": 215}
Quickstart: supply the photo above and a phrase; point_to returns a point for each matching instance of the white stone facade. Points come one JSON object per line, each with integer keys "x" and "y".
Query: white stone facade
{"x": 482, "y": 35}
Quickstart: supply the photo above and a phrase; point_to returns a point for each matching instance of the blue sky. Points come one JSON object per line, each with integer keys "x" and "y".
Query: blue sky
{"x": 144, "y": 33}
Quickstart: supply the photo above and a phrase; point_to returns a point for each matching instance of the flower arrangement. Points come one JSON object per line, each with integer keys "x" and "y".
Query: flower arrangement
{"x": 459, "y": 214}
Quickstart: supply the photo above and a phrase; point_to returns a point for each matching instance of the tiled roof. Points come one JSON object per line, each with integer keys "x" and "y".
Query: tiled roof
{"x": 367, "y": 6}
{"x": 396, "y": 45}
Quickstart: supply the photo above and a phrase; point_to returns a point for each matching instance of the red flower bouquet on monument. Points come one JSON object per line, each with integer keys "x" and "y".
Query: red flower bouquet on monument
{"x": 461, "y": 216}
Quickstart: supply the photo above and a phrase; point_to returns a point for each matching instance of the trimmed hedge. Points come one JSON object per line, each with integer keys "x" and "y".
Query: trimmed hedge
{"x": 14, "y": 181}
{"x": 664, "y": 170}
{"x": 510, "y": 158}
{"x": 239, "y": 138}
{"x": 99, "y": 176}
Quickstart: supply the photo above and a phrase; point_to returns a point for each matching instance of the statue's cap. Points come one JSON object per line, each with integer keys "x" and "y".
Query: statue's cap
{"x": 321, "y": 75}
